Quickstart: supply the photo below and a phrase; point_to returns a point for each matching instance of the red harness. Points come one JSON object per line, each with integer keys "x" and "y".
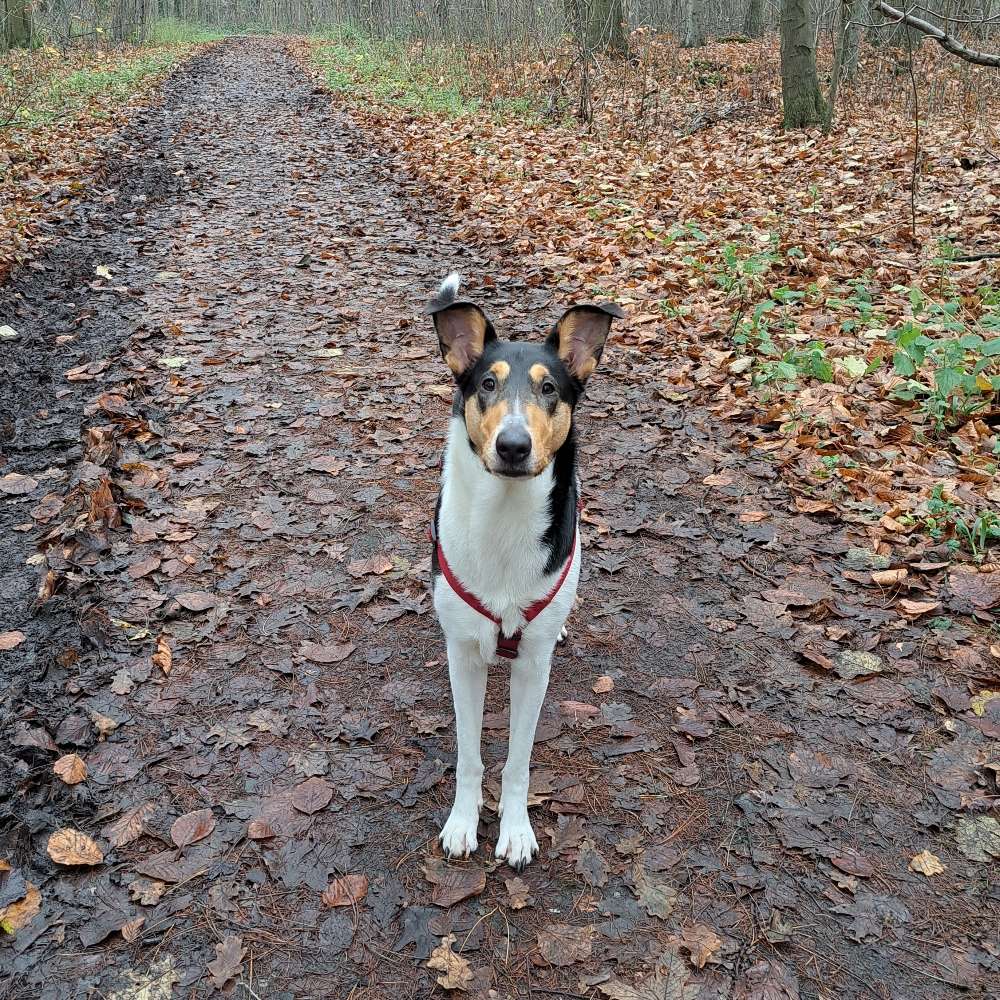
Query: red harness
{"x": 507, "y": 645}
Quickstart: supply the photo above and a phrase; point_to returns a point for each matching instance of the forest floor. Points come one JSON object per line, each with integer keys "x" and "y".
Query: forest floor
{"x": 762, "y": 772}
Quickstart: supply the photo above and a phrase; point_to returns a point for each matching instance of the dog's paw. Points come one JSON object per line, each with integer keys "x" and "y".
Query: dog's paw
{"x": 458, "y": 836}
{"x": 563, "y": 635}
{"x": 516, "y": 844}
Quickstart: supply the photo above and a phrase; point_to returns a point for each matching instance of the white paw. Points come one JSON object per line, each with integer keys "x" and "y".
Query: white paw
{"x": 563, "y": 635}
{"x": 458, "y": 836}
{"x": 516, "y": 844}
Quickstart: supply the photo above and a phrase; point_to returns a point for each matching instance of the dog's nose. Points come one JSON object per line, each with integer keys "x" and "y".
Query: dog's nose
{"x": 514, "y": 445}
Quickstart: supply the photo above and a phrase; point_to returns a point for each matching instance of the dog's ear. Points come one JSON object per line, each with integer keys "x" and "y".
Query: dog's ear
{"x": 579, "y": 336}
{"x": 462, "y": 328}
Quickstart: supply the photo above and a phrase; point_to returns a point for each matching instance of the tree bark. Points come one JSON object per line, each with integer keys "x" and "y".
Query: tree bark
{"x": 753, "y": 26}
{"x": 800, "y": 93}
{"x": 18, "y": 24}
{"x": 605, "y": 24}
{"x": 691, "y": 37}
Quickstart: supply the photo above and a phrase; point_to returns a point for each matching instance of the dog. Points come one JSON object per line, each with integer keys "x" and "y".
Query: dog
{"x": 506, "y": 555}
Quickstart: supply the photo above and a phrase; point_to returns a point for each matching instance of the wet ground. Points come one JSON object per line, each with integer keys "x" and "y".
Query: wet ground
{"x": 223, "y": 419}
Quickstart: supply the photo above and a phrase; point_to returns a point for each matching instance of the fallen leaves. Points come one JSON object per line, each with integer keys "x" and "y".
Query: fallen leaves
{"x": 163, "y": 657}
{"x": 197, "y": 600}
{"x": 320, "y": 653}
{"x": 978, "y": 838}
{"x": 345, "y": 890}
{"x": 564, "y": 944}
{"x": 457, "y": 973}
{"x": 130, "y": 825}
{"x": 71, "y": 847}
{"x": 312, "y": 795}
{"x": 228, "y": 960}
{"x": 453, "y": 883}
{"x": 192, "y": 827}
{"x": 518, "y": 893}
{"x": 926, "y": 863}
{"x": 16, "y": 485}
{"x": 71, "y": 768}
{"x": 701, "y": 943}
{"x": 669, "y": 981}
{"x": 11, "y": 640}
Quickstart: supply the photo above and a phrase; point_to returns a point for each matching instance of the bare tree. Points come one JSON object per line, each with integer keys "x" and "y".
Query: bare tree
{"x": 691, "y": 35}
{"x": 800, "y": 93}
{"x": 753, "y": 26}
{"x": 948, "y": 42}
{"x": 17, "y": 23}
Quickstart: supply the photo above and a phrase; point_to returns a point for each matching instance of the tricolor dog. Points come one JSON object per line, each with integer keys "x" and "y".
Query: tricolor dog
{"x": 506, "y": 557}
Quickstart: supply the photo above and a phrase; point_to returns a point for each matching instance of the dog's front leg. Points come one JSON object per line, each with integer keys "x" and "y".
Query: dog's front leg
{"x": 467, "y": 672}
{"x": 529, "y": 679}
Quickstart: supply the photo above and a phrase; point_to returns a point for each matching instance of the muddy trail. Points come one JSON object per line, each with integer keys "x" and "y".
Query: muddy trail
{"x": 221, "y": 425}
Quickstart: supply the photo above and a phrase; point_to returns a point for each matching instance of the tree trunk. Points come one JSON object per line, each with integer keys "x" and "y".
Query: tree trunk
{"x": 840, "y": 54}
{"x": 604, "y": 24}
{"x": 18, "y": 23}
{"x": 753, "y": 26}
{"x": 860, "y": 14}
{"x": 691, "y": 36}
{"x": 800, "y": 94}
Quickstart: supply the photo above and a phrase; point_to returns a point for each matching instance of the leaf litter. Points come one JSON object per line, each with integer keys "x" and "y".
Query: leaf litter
{"x": 749, "y": 752}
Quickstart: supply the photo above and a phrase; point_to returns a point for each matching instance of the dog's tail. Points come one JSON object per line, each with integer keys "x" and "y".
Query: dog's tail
{"x": 446, "y": 294}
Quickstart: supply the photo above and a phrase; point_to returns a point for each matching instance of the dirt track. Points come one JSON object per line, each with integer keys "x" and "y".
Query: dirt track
{"x": 241, "y": 469}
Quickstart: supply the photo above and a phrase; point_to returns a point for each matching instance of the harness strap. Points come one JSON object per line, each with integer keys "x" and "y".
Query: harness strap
{"x": 507, "y": 645}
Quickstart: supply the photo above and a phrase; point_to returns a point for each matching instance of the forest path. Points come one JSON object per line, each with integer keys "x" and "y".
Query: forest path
{"x": 260, "y": 414}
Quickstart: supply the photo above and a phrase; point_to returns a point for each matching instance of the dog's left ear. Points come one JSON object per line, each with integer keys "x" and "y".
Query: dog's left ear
{"x": 463, "y": 329}
{"x": 580, "y": 335}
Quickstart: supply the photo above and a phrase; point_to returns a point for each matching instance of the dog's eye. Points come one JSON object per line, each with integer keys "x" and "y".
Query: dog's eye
{"x": 548, "y": 388}
{"x": 489, "y": 383}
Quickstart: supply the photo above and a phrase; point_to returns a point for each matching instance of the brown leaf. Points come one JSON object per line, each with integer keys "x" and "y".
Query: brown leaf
{"x": 228, "y": 960}
{"x": 457, "y": 972}
{"x": 71, "y": 768}
{"x": 259, "y": 829}
{"x": 889, "y": 577}
{"x": 701, "y": 942}
{"x": 192, "y": 827}
{"x": 104, "y": 725}
{"x": 926, "y": 863}
{"x": 129, "y": 826}
{"x": 590, "y": 864}
{"x": 10, "y": 640}
{"x": 913, "y": 609}
{"x": 15, "y": 485}
{"x": 71, "y": 847}
{"x": 564, "y": 944}
{"x": 144, "y": 567}
{"x": 378, "y": 564}
{"x": 319, "y": 653}
{"x": 130, "y": 930}
{"x": 328, "y": 464}
{"x": 346, "y": 890}
{"x": 19, "y": 914}
{"x": 603, "y": 685}
{"x": 197, "y": 600}
{"x": 518, "y": 893}
{"x": 163, "y": 657}
{"x": 452, "y": 884}
{"x": 981, "y": 589}
{"x": 312, "y": 795}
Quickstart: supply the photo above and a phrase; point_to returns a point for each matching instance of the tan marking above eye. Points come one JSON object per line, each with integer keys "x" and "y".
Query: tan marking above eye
{"x": 538, "y": 372}
{"x": 501, "y": 369}
{"x": 548, "y": 431}
{"x": 482, "y": 425}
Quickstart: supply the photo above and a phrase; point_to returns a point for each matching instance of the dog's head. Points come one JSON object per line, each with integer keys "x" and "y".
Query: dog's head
{"x": 517, "y": 399}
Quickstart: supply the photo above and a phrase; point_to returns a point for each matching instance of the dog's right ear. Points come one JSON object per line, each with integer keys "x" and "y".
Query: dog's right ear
{"x": 462, "y": 328}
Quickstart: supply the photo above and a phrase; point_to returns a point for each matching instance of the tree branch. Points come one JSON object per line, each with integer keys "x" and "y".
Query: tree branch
{"x": 948, "y": 42}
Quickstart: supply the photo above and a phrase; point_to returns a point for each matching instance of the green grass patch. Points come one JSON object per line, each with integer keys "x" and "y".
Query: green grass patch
{"x": 173, "y": 31}
{"x": 395, "y": 73}
{"x": 64, "y": 95}
{"x": 428, "y": 79}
